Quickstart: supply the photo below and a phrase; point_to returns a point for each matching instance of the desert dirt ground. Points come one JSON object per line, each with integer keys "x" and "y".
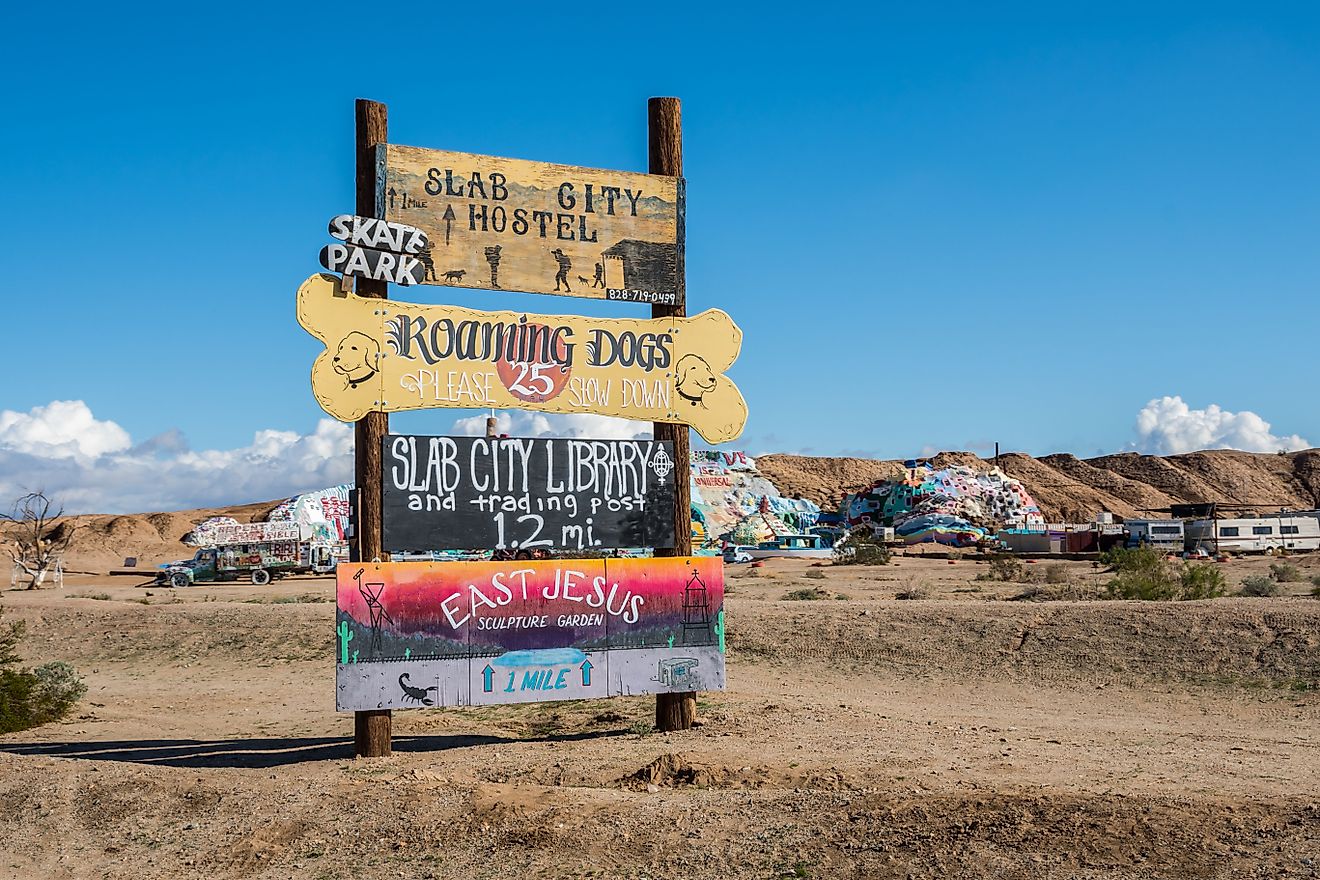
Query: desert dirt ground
{"x": 969, "y": 733}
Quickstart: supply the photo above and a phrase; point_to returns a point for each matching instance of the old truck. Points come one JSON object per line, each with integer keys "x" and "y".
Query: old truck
{"x": 257, "y": 551}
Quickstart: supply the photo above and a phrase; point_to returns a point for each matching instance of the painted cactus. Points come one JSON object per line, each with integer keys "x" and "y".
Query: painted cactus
{"x": 345, "y": 636}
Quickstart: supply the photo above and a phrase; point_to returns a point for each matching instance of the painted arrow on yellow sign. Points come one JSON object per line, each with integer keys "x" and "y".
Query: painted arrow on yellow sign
{"x": 390, "y": 356}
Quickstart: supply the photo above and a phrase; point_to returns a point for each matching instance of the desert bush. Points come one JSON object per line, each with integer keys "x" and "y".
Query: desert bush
{"x": 1201, "y": 580}
{"x": 1285, "y": 572}
{"x": 36, "y": 696}
{"x": 806, "y": 594}
{"x": 861, "y": 547}
{"x": 1145, "y": 573}
{"x": 1003, "y": 568}
{"x": 1056, "y": 573}
{"x": 815, "y": 574}
{"x": 913, "y": 592}
{"x": 1260, "y": 585}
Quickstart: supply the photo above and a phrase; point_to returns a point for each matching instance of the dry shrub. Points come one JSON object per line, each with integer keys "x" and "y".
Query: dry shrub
{"x": 29, "y": 697}
{"x": 1285, "y": 572}
{"x": 1056, "y": 573}
{"x": 1260, "y": 586}
{"x": 1003, "y": 568}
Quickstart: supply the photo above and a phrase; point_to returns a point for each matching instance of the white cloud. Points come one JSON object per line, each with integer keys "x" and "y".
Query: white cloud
{"x": 91, "y": 466}
{"x": 1168, "y": 426}
{"x": 60, "y": 429}
{"x": 577, "y": 426}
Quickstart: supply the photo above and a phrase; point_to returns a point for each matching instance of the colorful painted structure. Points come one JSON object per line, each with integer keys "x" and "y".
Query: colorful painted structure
{"x": 728, "y": 493}
{"x": 957, "y": 505}
{"x": 324, "y": 514}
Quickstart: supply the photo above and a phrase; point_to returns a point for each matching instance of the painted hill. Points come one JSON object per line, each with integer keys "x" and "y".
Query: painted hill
{"x": 1073, "y": 489}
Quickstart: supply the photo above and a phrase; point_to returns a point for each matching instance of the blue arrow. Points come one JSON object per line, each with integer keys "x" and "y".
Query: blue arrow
{"x": 586, "y": 673}
{"x": 487, "y": 678}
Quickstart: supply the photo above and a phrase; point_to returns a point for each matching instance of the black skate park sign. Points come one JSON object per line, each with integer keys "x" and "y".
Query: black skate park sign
{"x": 524, "y": 494}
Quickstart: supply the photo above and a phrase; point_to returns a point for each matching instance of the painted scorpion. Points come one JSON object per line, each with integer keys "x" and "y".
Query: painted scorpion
{"x": 420, "y": 695}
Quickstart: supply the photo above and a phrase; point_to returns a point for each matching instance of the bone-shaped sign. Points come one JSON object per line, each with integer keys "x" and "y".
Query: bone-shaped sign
{"x": 390, "y": 356}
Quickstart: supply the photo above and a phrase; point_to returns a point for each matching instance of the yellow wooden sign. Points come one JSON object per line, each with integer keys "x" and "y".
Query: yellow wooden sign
{"x": 537, "y": 227}
{"x": 388, "y": 355}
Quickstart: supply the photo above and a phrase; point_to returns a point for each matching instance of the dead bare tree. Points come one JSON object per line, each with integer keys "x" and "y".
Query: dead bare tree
{"x": 36, "y": 543}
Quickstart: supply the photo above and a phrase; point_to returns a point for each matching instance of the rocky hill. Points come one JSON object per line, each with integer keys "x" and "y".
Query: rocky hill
{"x": 102, "y": 541}
{"x": 1066, "y": 488}
{"x": 1074, "y": 489}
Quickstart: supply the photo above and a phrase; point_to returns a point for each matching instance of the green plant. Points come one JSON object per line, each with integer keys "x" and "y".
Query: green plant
{"x": 1260, "y": 585}
{"x": 1146, "y": 573}
{"x": 1285, "y": 572}
{"x": 1202, "y": 580}
{"x": 861, "y": 547}
{"x": 806, "y": 594}
{"x": 32, "y": 697}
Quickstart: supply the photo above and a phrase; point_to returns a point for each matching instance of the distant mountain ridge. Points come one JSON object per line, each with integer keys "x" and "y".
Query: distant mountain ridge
{"x": 1072, "y": 489}
{"x": 1067, "y": 488}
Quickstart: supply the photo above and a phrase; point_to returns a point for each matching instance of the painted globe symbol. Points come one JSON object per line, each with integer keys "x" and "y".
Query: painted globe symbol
{"x": 662, "y": 464}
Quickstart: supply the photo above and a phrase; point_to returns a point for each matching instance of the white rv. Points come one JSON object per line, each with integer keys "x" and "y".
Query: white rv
{"x": 1166, "y": 534}
{"x": 1258, "y": 534}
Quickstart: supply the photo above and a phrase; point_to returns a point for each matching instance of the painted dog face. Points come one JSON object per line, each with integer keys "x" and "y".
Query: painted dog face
{"x": 356, "y": 357}
{"x": 695, "y": 377}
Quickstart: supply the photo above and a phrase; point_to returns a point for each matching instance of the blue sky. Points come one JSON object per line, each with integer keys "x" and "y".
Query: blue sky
{"x": 936, "y": 228}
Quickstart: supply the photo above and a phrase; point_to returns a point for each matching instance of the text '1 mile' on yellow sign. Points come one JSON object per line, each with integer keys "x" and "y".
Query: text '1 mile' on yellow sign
{"x": 537, "y": 227}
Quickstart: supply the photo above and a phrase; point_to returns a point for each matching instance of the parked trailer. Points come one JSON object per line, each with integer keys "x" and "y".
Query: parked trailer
{"x": 1259, "y": 534}
{"x": 1165, "y": 534}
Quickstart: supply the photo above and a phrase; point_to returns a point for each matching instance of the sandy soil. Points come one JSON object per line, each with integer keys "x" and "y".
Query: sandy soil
{"x": 960, "y": 735}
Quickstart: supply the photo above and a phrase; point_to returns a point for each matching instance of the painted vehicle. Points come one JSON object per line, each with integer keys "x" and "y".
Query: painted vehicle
{"x": 260, "y": 552}
{"x": 1261, "y": 534}
{"x": 738, "y": 553}
{"x": 793, "y": 546}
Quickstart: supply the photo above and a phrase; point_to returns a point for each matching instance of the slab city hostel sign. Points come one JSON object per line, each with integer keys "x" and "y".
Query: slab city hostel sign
{"x": 537, "y": 227}
{"x": 412, "y": 635}
{"x": 389, "y": 356}
{"x": 526, "y": 494}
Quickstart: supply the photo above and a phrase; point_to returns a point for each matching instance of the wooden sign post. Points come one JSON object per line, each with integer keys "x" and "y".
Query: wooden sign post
{"x": 398, "y": 356}
{"x": 371, "y": 729}
{"x": 664, "y": 123}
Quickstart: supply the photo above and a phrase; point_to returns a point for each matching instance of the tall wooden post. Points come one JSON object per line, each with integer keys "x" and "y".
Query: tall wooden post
{"x": 664, "y": 118}
{"x": 371, "y": 729}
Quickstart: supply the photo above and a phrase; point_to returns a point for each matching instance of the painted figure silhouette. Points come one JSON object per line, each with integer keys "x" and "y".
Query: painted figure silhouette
{"x": 564, "y": 265}
{"x": 493, "y": 257}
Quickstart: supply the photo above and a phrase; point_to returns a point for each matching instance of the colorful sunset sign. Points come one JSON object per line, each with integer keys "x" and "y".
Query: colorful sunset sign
{"x": 413, "y": 635}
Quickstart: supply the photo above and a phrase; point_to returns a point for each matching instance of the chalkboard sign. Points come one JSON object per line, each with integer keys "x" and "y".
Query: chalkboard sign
{"x": 526, "y": 494}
